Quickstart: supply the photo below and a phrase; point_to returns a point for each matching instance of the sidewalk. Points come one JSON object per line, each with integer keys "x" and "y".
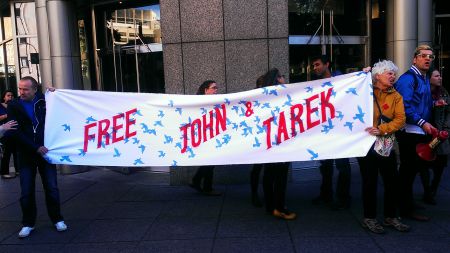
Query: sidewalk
{"x": 110, "y": 212}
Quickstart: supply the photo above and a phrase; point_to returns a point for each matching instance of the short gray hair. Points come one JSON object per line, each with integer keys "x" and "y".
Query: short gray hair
{"x": 383, "y": 66}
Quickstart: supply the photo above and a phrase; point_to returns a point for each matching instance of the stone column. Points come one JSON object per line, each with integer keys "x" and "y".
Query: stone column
{"x": 59, "y": 52}
{"x": 401, "y": 32}
{"x": 425, "y": 22}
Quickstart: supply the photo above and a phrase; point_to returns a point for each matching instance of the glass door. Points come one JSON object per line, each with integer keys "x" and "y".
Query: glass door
{"x": 337, "y": 28}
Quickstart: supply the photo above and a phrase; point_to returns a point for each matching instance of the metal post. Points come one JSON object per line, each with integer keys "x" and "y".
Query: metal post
{"x": 114, "y": 53}
{"x": 94, "y": 43}
{"x": 331, "y": 35}
{"x": 322, "y": 39}
{"x": 135, "y": 51}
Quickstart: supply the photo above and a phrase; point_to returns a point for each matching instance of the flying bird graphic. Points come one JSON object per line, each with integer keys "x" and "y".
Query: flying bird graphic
{"x": 349, "y": 125}
{"x": 161, "y": 114}
{"x": 161, "y": 153}
{"x": 314, "y": 155}
{"x": 352, "y": 90}
{"x": 360, "y": 115}
{"x": 116, "y": 153}
{"x": 138, "y": 161}
{"x": 142, "y": 147}
{"x": 65, "y": 158}
{"x": 309, "y": 89}
{"x": 339, "y": 115}
{"x": 66, "y": 127}
{"x": 82, "y": 153}
{"x": 327, "y": 84}
{"x": 257, "y": 143}
{"x": 90, "y": 119}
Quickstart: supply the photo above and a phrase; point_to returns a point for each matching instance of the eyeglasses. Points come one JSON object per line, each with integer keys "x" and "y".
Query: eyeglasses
{"x": 213, "y": 87}
{"x": 427, "y": 56}
{"x": 282, "y": 76}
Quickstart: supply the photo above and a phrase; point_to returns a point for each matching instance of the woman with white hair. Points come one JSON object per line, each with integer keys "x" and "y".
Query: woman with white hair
{"x": 388, "y": 117}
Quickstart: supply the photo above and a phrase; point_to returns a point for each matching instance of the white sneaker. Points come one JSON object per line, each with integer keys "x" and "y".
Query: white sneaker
{"x": 61, "y": 226}
{"x": 25, "y": 231}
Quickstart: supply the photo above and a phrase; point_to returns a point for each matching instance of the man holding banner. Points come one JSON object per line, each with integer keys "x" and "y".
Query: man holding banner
{"x": 321, "y": 66}
{"x": 29, "y": 111}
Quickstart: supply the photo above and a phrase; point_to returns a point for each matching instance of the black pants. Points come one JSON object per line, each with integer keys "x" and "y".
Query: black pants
{"x": 9, "y": 148}
{"x": 437, "y": 166}
{"x": 274, "y": 185}
{"x": 343, "y": 183}
{"x": 254, "y": 178}
{"x": 29, "y": 165}
{"x": 205, "y": 173}
{"x": 410, "y": 165}
{"x": 370, "y": 166}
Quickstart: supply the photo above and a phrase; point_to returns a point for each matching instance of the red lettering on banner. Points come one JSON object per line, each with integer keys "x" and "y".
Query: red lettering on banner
{"x": 103, "y": 126}
{"x": 201, "y": 129}
{"x": 296, "y": 113}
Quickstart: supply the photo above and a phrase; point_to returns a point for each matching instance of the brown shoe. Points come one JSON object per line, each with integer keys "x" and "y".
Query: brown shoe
{"x": 285, "y": 214}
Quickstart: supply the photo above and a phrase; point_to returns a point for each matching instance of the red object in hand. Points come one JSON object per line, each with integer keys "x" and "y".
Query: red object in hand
{"x": 426, "y": 151}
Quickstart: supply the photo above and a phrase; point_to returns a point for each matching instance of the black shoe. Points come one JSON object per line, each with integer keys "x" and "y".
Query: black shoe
{"x": 212, "y": 193}
{"x": 417, "y": 217}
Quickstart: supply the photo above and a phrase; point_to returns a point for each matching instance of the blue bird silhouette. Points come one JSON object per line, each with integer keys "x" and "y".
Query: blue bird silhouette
{"x": 158, "y": 123}
{"x": 135, "y": 140}
{"x": 144, "y": 127}
{"x": 243, "y": 124}
{"x": 309, "y": 89}
{"x": 327, "y": 84}
{"x": 126, "y": 140}
{"x": 82, "y": 153}
{"x": 219, "y": 144}
{"x": 351, "y": 90}
{"x": 256, "y": 103}
{"x": 333, "y": 93}
{"x": 161, "y": 153}
{"x": 327, "y": 128}
{"x": 90, "y": 119}
{"x": 265, "y": 91}
{"x": 257, "y": 120}
{"x": 179, "y": 110}
{"x": 288, "y": 101}
{"x": 65, "y": 158}
{"x": 273, "y": 92}
{"x": 161, "y": 114}
{"x": 339, "y": 115}
{"x": 360, "y": 115}
{"x": 227, "y": 101}
{"x": 266, "y": 105}
{"x": 168, "y": 139}
{"x": 150, "y": 131}
{"x": 138, "y": 161}
{"x": 242, "y": 114}
{"x": 178, "y": 145}
{"x": 226, "y": 138}
{"x": 116, "y": 153}
{"x": 274, "y": 118}
{"x": 235, "y": 108}
{"x": 235, "y": 126}
{"x": 349, "y": 125}
{"x": 204, "y": 111}
{"x": 170, "y": 103}
{"x": 138, "y": 112}
{"x": 191, "y": 152}
{"x": 142, "y": 147}
{"x": 277, "y": 109}
{"x": 257, "y": 143}
{"x": 261, "y": 129}
{"x": 314, "y": 155}
{"x": 66, "y": 127}
{"x": 174, "y": 163}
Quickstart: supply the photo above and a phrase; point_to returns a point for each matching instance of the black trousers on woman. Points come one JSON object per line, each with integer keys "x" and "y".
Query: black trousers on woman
{"x": 9, "y": 148}
{"x": 370, "y": 166}
{"x": 205, "y": 174}
{"x": 274, "y": 185}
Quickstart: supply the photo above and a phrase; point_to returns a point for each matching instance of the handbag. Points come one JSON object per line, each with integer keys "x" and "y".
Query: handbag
{"x": 384, "y": 143}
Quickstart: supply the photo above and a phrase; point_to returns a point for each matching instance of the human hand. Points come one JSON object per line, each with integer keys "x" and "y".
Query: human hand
{"x": 42, "y": 150}
{"x": 440, "y": 102}
{"x": 51, "y": 88}
{"x": 373, "y": 131}
{"x": 429, "y": 129}
{"x": 10, "y": 125}
{"x": 367, "y": 69}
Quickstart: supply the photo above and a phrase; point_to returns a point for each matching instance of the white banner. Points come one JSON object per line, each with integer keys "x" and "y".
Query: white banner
{"x": 314, "y": 120}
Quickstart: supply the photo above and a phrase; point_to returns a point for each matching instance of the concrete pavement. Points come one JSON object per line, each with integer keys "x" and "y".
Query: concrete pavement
{"x": 108, "y": 211}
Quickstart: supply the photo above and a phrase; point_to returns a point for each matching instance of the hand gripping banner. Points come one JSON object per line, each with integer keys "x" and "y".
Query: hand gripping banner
{"x": 314, "y": 120}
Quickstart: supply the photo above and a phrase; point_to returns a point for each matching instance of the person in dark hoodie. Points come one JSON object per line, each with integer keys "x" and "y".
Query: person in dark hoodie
{"x": 29, "y": 112}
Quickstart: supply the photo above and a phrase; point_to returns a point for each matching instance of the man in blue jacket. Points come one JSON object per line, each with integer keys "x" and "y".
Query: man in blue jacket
{"x": 29, "y": 111}
{"x": 414, "y": 86}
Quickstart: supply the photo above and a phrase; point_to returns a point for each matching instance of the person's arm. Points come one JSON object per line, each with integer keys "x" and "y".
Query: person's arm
{"x": 17, "y": 133}
{"x": 398, "y": 120}
{"x": 10, "y": 125}
{"x": 405, "y": 86}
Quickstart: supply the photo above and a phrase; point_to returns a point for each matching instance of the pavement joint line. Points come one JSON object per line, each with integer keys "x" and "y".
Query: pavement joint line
{"x": 219, "y": 219}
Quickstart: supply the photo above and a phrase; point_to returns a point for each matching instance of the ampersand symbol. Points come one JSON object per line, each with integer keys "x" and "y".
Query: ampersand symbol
{"x": 249, "y": 111}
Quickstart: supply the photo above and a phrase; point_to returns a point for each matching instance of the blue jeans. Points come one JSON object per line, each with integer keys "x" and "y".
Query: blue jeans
{"x": 29, "y": 165}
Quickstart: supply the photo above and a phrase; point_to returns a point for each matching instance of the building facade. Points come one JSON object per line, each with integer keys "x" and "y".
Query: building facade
{"x": 171, "y": 46}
